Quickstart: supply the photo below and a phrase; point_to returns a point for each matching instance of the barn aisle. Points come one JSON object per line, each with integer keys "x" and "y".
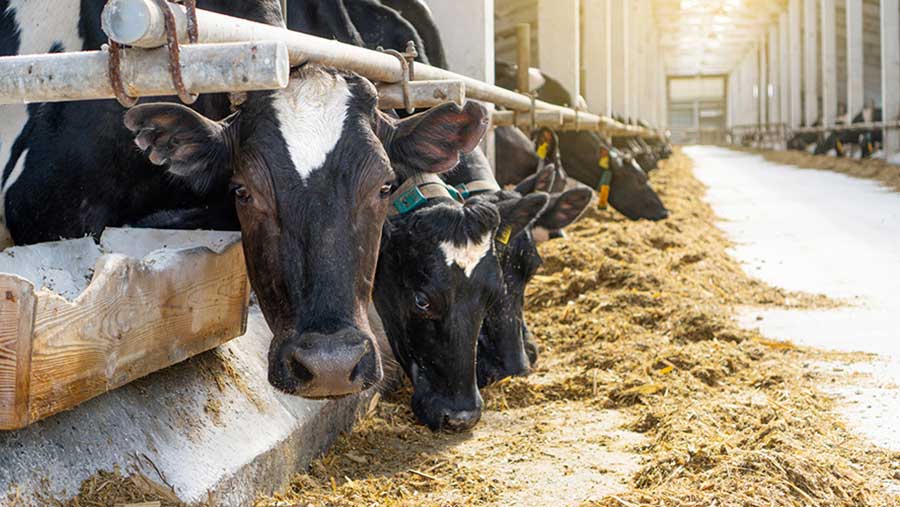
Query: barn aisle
{"x": 820, "y": 232}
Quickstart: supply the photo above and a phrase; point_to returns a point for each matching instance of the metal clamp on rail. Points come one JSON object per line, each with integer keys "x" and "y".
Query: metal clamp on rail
{"x": 407, "y": 64}
{"x": 174, "y": 48}
{"x": 115, "y": 75}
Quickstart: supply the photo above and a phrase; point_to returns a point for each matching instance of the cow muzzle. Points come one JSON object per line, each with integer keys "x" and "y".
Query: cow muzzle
{"x": 317, "y": 365}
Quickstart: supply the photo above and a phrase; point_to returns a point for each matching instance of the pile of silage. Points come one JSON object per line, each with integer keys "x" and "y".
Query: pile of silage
{"x": 634, "y": 320}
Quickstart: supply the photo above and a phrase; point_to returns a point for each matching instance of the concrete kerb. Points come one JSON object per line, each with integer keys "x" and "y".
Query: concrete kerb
{"x": 212, "y": 427}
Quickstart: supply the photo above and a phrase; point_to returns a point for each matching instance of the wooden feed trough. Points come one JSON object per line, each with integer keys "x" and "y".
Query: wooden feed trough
{"x": 78, "y": 319}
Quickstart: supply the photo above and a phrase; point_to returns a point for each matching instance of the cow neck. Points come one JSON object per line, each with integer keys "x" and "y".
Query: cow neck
{"x": 418, "y": 190}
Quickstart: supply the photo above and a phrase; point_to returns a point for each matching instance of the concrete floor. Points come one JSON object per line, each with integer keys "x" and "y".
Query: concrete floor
{"x": 820, "y": 232}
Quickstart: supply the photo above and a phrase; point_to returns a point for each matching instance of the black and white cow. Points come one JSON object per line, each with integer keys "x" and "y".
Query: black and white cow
{"x": 868, "y": 140}
{"x": 581, "y": 152}
{"x": 305, "y": 172}
{"x": 437, "y": 275}
{"x": 630, "y": 191}
{"x": 505, "y": 345}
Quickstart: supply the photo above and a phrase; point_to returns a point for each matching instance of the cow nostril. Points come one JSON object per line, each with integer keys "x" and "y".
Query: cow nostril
{"x": 300, "y": 370}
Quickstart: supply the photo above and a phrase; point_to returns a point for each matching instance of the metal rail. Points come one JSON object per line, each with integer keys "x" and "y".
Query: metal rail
{"x": 140, "y": 23}
{"x": 768, "y": 127}
{"x": 215, "y": 68}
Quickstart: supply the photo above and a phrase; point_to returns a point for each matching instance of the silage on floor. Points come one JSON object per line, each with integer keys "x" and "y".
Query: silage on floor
{"x": 681, "y": 406}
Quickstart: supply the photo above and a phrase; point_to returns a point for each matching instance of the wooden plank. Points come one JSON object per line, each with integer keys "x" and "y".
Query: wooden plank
{"x": 890, "y": 71}
{"x": 135, "y": 317}
{"x": 855, "y": 61}
{"x": 17, "y": 306}
{"x": 829, "y": 63}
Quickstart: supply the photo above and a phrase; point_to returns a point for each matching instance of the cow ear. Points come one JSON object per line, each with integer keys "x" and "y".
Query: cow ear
{"x": 565, "y": 208}
{"x": 540, "y": 181}
{"x": 432, "y": 141}
{"x": 517, "y": 214}
{"x": 546, "y": 178}
{"x": 195, "y": 148}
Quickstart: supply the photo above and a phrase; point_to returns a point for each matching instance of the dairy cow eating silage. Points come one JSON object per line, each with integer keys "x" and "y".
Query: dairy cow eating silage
{"x": 303, "y": 172}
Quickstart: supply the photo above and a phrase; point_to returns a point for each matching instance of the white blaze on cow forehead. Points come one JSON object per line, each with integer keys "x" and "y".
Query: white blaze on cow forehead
{"x": 466, "y": 256}
{"x": 43, "y": 24}
{"x": 311, "y": 113}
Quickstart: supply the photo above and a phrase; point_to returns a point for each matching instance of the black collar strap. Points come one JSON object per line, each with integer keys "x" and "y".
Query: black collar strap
{"x": 418, "y": 190}
{"x": 476, "y": 187}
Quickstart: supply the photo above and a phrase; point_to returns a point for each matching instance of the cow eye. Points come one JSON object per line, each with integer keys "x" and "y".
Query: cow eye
{"x": 422, "y": 302}
{"x": 241, "y": 193}
{"x": 387, "y": 189}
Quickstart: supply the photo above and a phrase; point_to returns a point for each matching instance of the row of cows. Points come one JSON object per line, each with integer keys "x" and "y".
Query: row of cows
{"x": 857, "y": 142}
{"x": 358, "y": 226}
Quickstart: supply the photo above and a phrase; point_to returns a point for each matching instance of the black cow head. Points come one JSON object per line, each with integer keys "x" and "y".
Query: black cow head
{"x": 310, "y": 170}
{"x": 437, "y": 275}
{"x": 630, "y": 191}
{"x": 505, "y": 347}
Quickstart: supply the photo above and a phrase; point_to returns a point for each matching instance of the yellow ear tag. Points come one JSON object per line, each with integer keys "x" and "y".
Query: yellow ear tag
{"x": 871, "y": 148}
{"x": 504, "y": 235}
{"x": 542, "y": 151}
{"x": 604, "y": 162}
{"x": 603, "y": 198}
{"x": 839, "y": 145}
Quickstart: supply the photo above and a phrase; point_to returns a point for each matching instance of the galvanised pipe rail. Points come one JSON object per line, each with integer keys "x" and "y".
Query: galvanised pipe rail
{"x": 209, "y": 68}
{"x": 140, "y": 23}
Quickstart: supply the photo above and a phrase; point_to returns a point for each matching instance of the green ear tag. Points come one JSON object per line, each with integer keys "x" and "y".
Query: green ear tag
{"x": 463, "y": 190}
{"x": 409, "y": 200}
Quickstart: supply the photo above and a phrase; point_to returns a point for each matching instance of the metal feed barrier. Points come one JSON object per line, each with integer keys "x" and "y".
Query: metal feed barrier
{"x": 772, "y": 133}
{"x": 237, "y": 55}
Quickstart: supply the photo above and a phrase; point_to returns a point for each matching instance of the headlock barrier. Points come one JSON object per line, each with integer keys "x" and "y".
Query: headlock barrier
{"x": 237, "y": 55}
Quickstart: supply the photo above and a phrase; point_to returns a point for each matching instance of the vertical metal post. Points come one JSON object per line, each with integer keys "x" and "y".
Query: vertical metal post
{"x": 559, "y": 43}
{"x": 810, "y": 62}
{"x": 523, "y": 57}
{"x": 470, "y": 25}
{"x": 621, "y": 60}
{"x": 784, "y": 61}
{"x": 855, "y": 74}
{"x": 774, "y": 75}
{"x": 796, "y": 45}
{"x": 763, "y": 81}
{"x": 890, "y": 72}
{"x": 829, "y": 64}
